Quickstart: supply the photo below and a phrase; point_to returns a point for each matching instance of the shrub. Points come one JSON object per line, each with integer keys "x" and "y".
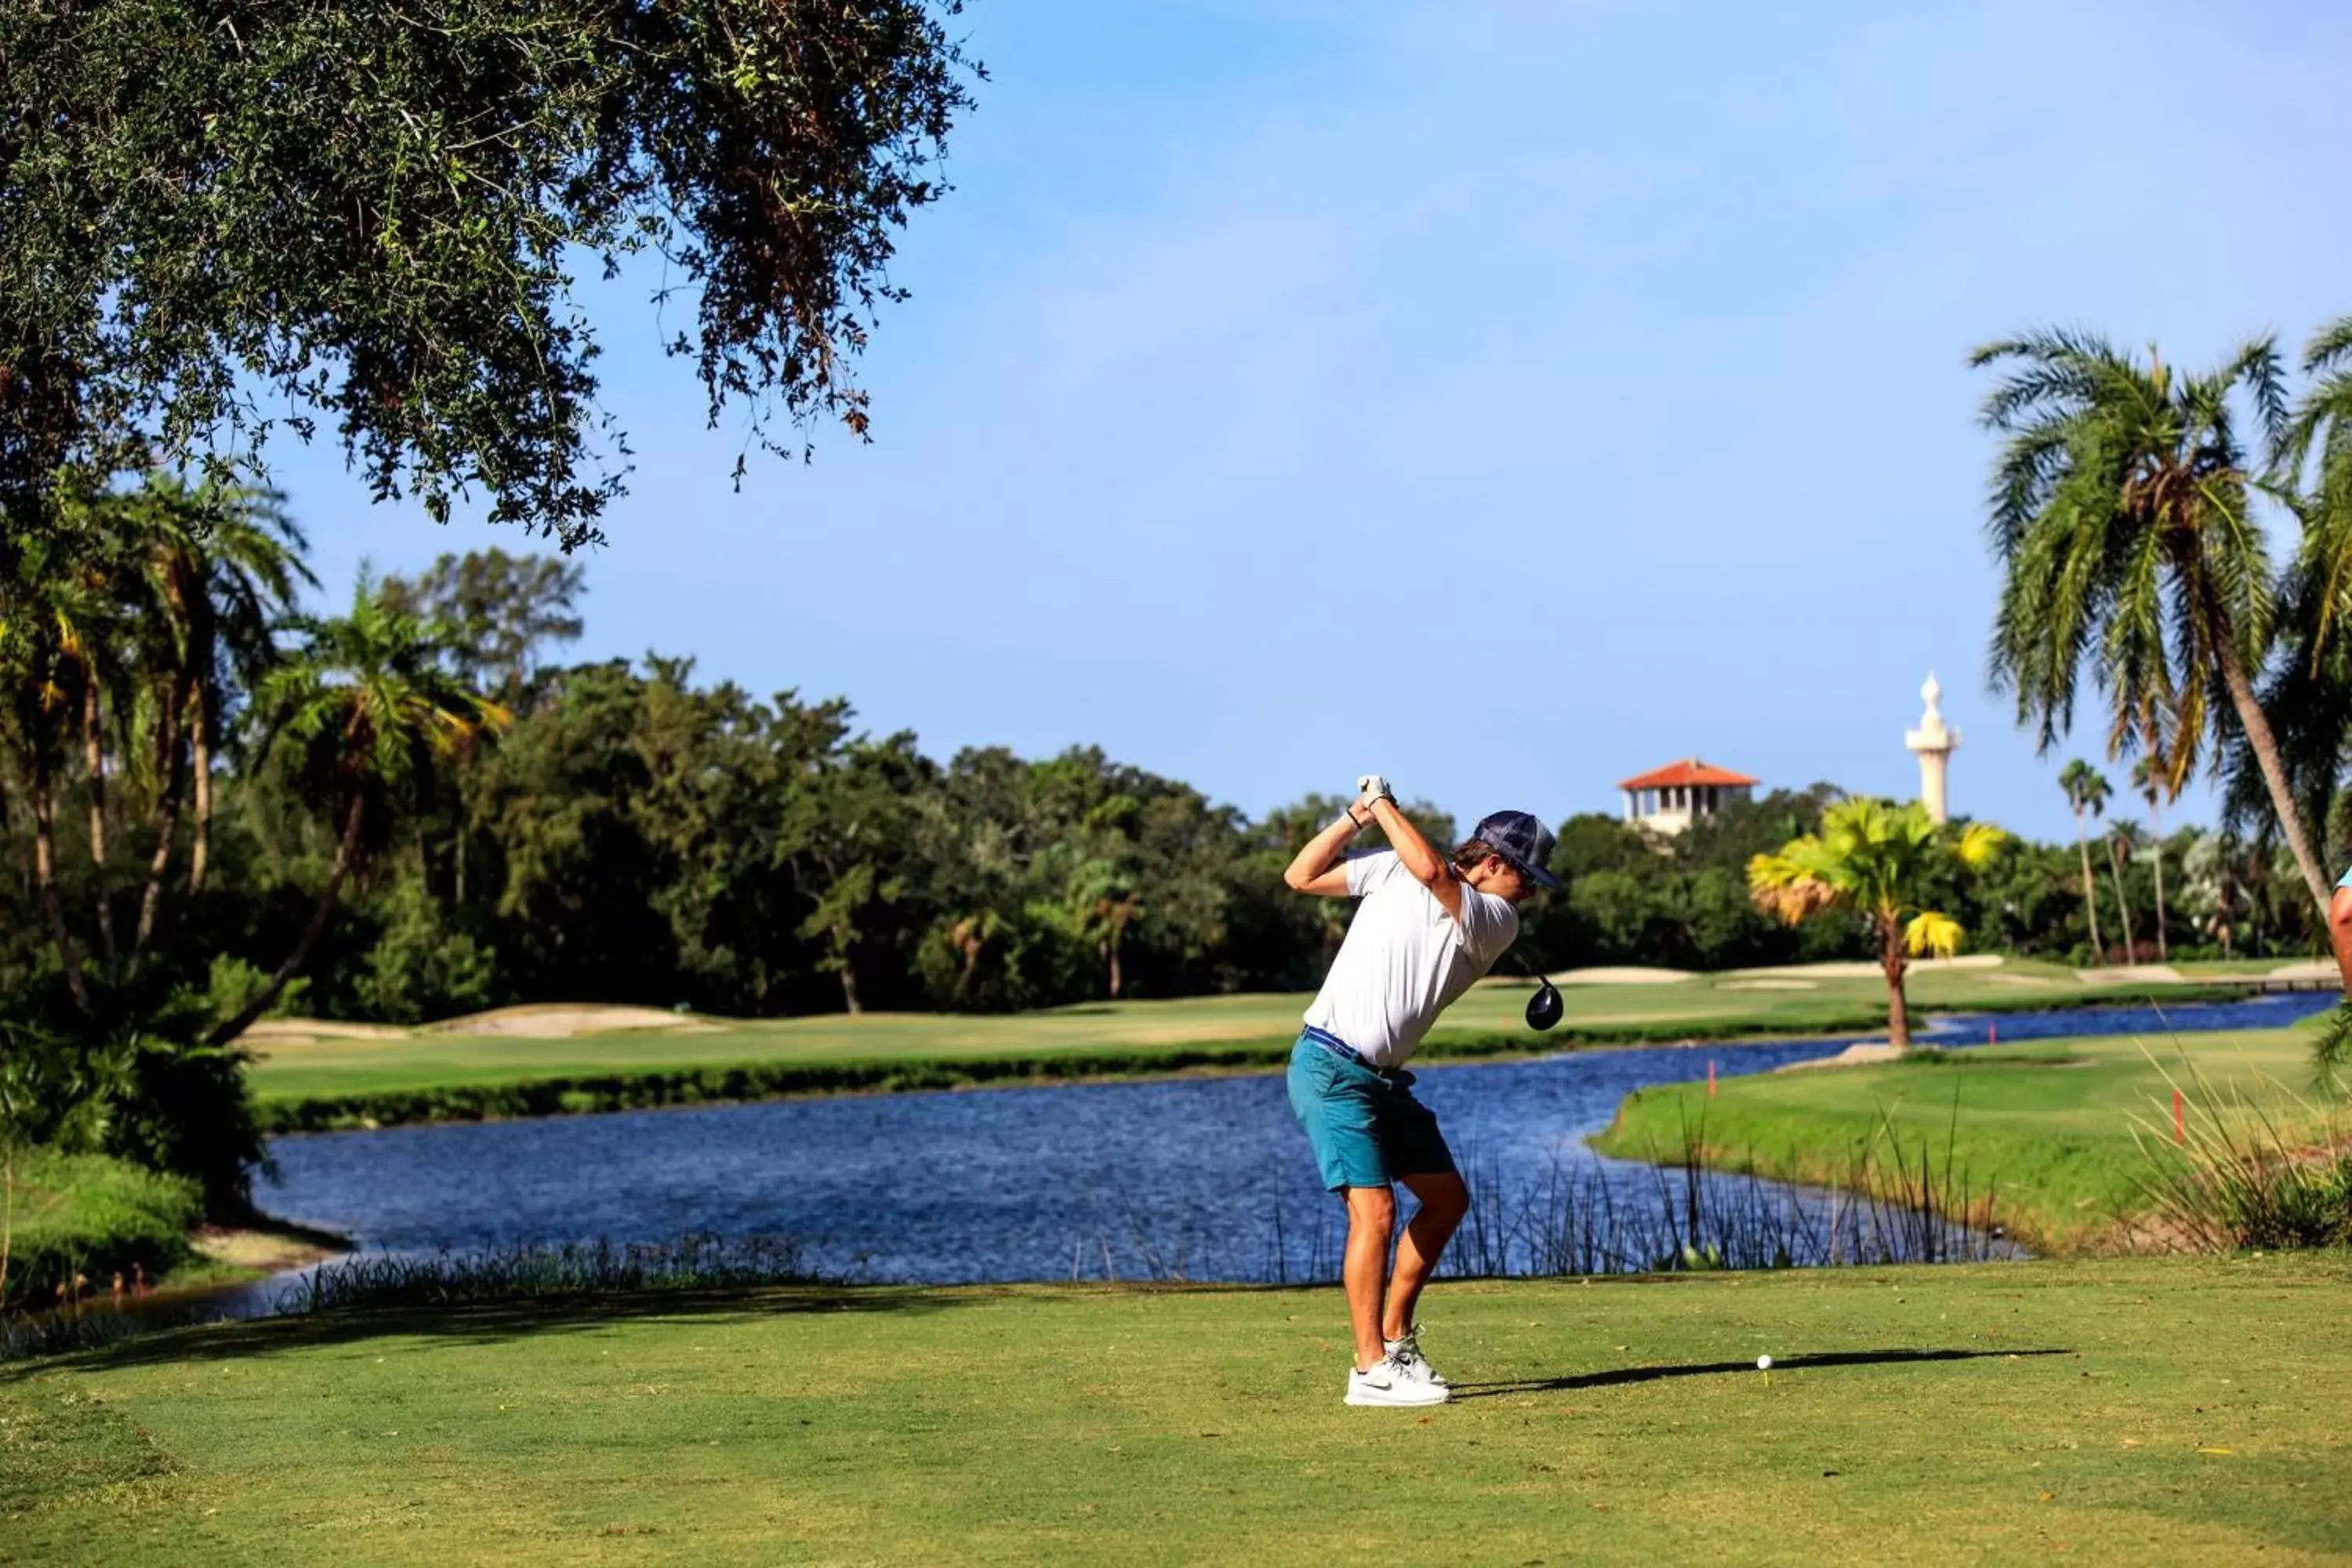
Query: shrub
{"x": 88, "y": 1216}
{"x": 171, "y": 1106}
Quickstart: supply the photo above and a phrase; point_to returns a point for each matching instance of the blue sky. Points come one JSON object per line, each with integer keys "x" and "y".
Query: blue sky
{"x": 1509, "y": 397}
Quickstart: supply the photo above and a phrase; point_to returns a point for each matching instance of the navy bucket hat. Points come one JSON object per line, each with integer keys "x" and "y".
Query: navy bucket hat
{"x": 1519, "y": 838}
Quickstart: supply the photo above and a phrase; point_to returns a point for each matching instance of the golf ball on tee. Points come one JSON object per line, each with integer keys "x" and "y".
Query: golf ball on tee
{"x": 1763, "y": 1363}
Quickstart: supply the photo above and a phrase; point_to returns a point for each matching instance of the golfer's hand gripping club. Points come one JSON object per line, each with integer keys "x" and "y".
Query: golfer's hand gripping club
{"x": 1371, "y": 787}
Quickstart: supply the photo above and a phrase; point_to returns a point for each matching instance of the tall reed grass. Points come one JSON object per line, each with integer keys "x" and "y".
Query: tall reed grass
{"x": 2225, "y": 1171}
{"x": 697, "y": 1261}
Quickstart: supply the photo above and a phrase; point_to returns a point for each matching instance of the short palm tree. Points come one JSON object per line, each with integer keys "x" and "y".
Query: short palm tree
{"x": 2121, "y": 512}
{"x": 2148, "y": 779}
{"x": 1873, "y": 858}
{"x": 368, "y": 708}
{"x": 2086, "y": 792}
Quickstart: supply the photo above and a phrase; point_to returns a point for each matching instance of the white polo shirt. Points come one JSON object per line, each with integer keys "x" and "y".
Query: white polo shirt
{"x": 1405, "y": 959}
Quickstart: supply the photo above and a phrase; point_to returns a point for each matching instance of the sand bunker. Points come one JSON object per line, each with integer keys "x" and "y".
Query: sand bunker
{"x": 290, "y": 1031}
{"x": 2132, "y": 974}
{"x": 562, "y": 1021}
{"x": 1626, "y": 975}
{"x": 2309, "y": 969}
{"x": 1768, "y": 986}
{"x": 1864, "y": 1055}
{"x": 1864, "y": 969}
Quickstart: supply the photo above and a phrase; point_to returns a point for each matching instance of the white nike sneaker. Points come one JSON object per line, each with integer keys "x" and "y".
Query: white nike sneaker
{"x": 1389, "y": 1384}
{"x": 1406, "y": 1353}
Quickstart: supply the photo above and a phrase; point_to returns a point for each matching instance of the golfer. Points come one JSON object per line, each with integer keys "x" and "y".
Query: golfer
{"x": 1429, "y": 926}
{"x": 2340, "y": 926}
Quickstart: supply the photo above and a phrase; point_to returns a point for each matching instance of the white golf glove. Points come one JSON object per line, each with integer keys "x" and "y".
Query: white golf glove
{"x": 1373, "y": 787}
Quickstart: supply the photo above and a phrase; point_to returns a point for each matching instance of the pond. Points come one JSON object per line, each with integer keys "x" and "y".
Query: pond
{"x": 1203, "y": 1178}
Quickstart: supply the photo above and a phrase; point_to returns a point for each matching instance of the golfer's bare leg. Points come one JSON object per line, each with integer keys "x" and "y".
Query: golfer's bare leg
{"x": 1371, "y": 1219}
{"x": 1443, "y": 1201}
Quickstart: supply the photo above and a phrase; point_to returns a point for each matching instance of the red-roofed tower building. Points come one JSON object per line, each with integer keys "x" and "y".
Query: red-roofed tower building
{"x": 1669, "y": 799}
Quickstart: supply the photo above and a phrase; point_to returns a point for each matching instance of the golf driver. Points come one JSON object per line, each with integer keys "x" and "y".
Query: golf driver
{"x": 1545, "y": 1006}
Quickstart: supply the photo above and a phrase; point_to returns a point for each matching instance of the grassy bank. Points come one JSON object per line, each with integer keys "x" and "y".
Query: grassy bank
{"x": 2174, "y": 1411}
{"x": 88, "y": 1216}
{"x": 448, "y": 1074}
{"x": 2049, "y": 1124}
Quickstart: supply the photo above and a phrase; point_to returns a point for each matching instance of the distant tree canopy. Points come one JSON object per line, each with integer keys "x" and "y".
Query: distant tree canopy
{"x": 221, "y": 215}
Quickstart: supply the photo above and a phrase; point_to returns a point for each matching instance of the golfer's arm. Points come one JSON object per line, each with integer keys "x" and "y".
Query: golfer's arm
{"x": 1425, "y": 864}
{"x": 2340, "y": 926}
{"x": 1321, "y": 866}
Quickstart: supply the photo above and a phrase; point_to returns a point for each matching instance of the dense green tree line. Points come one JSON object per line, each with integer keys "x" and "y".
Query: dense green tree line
{"x": 215, "y": 804}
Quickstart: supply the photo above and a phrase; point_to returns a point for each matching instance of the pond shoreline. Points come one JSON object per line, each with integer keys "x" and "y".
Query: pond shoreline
{"x": 748, "y": 1083}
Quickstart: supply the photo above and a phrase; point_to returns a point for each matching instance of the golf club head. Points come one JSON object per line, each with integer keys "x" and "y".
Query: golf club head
{"x": 1545, "y": 1006}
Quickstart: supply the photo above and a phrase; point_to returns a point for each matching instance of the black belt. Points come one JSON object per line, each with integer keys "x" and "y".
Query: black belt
{"x": 1339, "y": 1047}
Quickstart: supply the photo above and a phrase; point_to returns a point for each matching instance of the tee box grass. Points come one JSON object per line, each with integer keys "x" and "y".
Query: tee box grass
{"x": 2149, "y": 1411}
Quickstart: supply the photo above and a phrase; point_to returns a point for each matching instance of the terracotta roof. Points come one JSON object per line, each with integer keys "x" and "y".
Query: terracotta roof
{"x": 1689, "y": 771}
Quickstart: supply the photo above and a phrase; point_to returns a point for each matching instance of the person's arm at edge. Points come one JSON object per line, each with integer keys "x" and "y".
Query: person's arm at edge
{"x": 2340, "y": 926}
{"x": 1425, "y": 864}
{"x": 1321, "y": 866}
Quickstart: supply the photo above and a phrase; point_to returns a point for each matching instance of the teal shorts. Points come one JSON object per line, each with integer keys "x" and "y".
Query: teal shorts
{"x": 1367, "y": 1128}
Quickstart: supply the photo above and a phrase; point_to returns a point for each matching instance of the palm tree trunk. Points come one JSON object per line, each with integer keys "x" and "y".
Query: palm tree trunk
{"x": 167, "y": 824}
{"x": 849, "y": 987}
{"x": 200, "y": 736}
{"x": 346, "y": 851}
{"x": 1898, "y": 1008}
{"x": 2265, "y": 745}
{"x": 1113, "y": 946}
{"x": 93, "y": 751}
{"x": 2156, "y": 833}
{"x": 2090, "y": 888}
{"x": 2123, "y": 901}
{"x": 44, "y": 877}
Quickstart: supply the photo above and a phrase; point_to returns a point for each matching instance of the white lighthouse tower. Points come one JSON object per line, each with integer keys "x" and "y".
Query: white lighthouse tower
{"x": 1935, "y": 742}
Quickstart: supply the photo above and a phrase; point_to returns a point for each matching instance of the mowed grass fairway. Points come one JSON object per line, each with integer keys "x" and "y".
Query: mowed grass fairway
{"x": 2148, "y": 1411}
{"x": 2050, "y": 1123}
{"x": 1138, "y": 1036}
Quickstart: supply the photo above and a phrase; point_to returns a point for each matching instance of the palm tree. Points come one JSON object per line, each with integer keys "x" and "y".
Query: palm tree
{"x": 368, "y": 708}
{"x": 2311, "y": 689}
{"x": 2122, "y": 839}
{"x": 2121, "y": 515}
{"x": 2086, "y": 792}
{"x": 2148, "y": 779}
{"x": 222, "y": 568}
{"x": 54, "y": 615}
{"x": 1104, "y": 898}
{"x": 1872, "y": 858}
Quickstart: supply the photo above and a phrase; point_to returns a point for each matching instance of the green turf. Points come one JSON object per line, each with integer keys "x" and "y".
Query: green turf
{"x": 2147, "y": 1411}
{"x": 2049, "y": 1124}
{"x": 431, "y": 1073}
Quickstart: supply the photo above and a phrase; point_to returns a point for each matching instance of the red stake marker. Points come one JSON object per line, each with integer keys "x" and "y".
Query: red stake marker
{"x": 2180, "y": 1128}
{"x": 1992, "y": 1034}
{"x": 1710, "y": 1078}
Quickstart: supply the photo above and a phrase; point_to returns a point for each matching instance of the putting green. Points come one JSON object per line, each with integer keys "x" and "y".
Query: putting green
{"x": 2145, "y": 1411}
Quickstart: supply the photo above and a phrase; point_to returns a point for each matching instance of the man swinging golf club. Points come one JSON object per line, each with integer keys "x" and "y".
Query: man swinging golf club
{"x": 1428, "y": 927}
